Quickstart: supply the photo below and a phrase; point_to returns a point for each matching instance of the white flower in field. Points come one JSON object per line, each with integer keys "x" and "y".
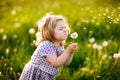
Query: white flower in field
{"x": 104, "y": 14}
{"x": 2, "y": 57}
{"x": 95, "y": 46}
{"x": 15, "y": 36}
{"x": 7, "y": 50}
{"x": 15, "y": 49}
{"x": 84, "y": 28}
{"x": 105, "y": 43}
{"x": 31, "y": 30}
{"x": 11, "y": 68}
{"x": 85, "y": 69}
{"x": 13, "y": 12}
{"x": 17, "y": 25}
{"x": 116, "y": 56}
{"x": 117, "y": 19}
{"x": 74, "y": 35}
{"x": 104, "y": 56}
{"x": 5, "y": 64}
{"x": 18, "y": 74}
{"x": 87, "y": 59}
{"x": 0, "y": 73}
{"x": 119, "y": 55}
{"x": 99, "y": 47}
{"x": 91, "y": 40}
{"x": 4, "y": 37}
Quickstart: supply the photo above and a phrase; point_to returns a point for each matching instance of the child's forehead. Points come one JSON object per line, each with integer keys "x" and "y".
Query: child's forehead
{"x": 61, "y": 23}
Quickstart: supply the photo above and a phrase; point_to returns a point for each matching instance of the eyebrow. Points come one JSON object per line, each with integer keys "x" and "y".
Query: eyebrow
{"x": 62, "y": 27}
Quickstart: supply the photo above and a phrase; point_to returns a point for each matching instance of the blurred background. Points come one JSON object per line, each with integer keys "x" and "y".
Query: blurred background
{"x": 97, "y": 23}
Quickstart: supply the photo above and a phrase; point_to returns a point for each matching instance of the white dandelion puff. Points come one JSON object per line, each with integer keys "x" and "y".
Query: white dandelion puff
{"x": 4, "y": 37}
{"x": 105, "y": 43}
{"x": 15, "y": 36}
{"x": 104, "y": 56}
{"x": 31, "y": 30}
{"x": 99, "y": 47}
{"x": 11, "y": 68}
{"x": 17, "y": 24}
{"x": 7, "y": 50}
{"x": 0, "y": 73}
{"x": 116, "y": 56}
{"x": 91, "y": 40}
{"x": 95, "y": 46}
{"x": 74, "y": 35}
{"x": 119, "y": 55}
{"x": 13, "y": 12}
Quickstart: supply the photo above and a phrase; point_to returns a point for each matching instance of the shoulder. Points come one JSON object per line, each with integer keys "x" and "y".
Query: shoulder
{"x": 46, "y": 43}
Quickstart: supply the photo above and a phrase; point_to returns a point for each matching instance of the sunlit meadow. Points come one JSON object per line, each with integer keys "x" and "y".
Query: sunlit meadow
{"x": 97, "y": 23}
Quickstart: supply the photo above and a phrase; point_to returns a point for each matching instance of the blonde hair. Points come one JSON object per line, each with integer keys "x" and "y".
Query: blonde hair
{"x": 46, "y": 28}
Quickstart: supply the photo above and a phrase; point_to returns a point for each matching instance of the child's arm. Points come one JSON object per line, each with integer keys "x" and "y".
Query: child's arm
{"x": 69, "y": 60}
{"x": 58, "y": 61}
{"x": 65, "y": 57}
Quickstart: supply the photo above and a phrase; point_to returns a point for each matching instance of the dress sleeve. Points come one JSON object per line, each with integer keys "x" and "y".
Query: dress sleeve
{"x": 46, "y": 48}
{"x": 60, "y": 50}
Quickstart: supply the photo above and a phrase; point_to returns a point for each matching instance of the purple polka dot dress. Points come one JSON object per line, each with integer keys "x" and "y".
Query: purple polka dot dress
{"x": 38, "y": 68}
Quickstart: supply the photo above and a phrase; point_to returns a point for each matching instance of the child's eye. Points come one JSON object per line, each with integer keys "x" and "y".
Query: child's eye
{"x": 60, "y": 29}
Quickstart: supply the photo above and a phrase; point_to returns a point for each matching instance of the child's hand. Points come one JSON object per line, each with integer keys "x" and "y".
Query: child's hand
{"x": 72, "y": 47}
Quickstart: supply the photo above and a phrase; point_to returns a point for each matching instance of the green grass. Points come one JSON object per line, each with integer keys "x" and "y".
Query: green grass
{"x": 88, "y": 18}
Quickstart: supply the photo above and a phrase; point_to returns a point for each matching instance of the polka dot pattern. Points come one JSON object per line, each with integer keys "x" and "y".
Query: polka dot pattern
{"x": 38, "y": 66}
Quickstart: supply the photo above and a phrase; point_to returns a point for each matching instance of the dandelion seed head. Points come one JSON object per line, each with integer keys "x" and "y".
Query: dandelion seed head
{"x": 95, "y": 46}
{"x": 18, "y": 74}
{"x": 2, "y": 57}
{"x": 104, "y": 56}
{"x": 93, "y": 21}
{"x": 4, "y": 37}
{"x": 0, "y": 73}
{"x": 13, "y": 12}
{"x": 15, "y": 49}
{"x": 87, "y": 59}
{"x": 5, "y": 64}
{"x": 84, "y": 28}
{"x": 108, "y": 16}
{"x": 99, "y": 47}
{"x": 94, "y": 17}
{"x": 106, "y": 10}
{"x": 11, "y": 68}
{"x": 15, "y": 36}
{"x": 91, "y": 40}
{"x": 116, "y": 56}
{"x": 117, "y": 19}
{"x": 7, "y": 50}
{"x": 74, "y": 35}
{"x": 104, "y": 14}
{"x": 99, "y": 14}
{"x": 90, "y": 32}
{"x": 105, "y": 43}
{"x": 31, "y": 31}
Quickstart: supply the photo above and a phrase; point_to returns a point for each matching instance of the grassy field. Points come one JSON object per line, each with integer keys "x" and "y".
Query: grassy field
{"x": 97, "y": 23}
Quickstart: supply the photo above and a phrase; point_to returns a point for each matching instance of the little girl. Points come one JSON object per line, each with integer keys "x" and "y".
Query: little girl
{"x": 50, "y": 54}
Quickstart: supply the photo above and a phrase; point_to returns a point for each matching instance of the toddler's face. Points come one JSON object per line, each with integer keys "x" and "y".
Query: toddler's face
{"x": 60, "y": 31}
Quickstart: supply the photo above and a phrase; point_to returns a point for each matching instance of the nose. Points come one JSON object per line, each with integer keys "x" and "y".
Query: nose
{"x": 65, "y": 30}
